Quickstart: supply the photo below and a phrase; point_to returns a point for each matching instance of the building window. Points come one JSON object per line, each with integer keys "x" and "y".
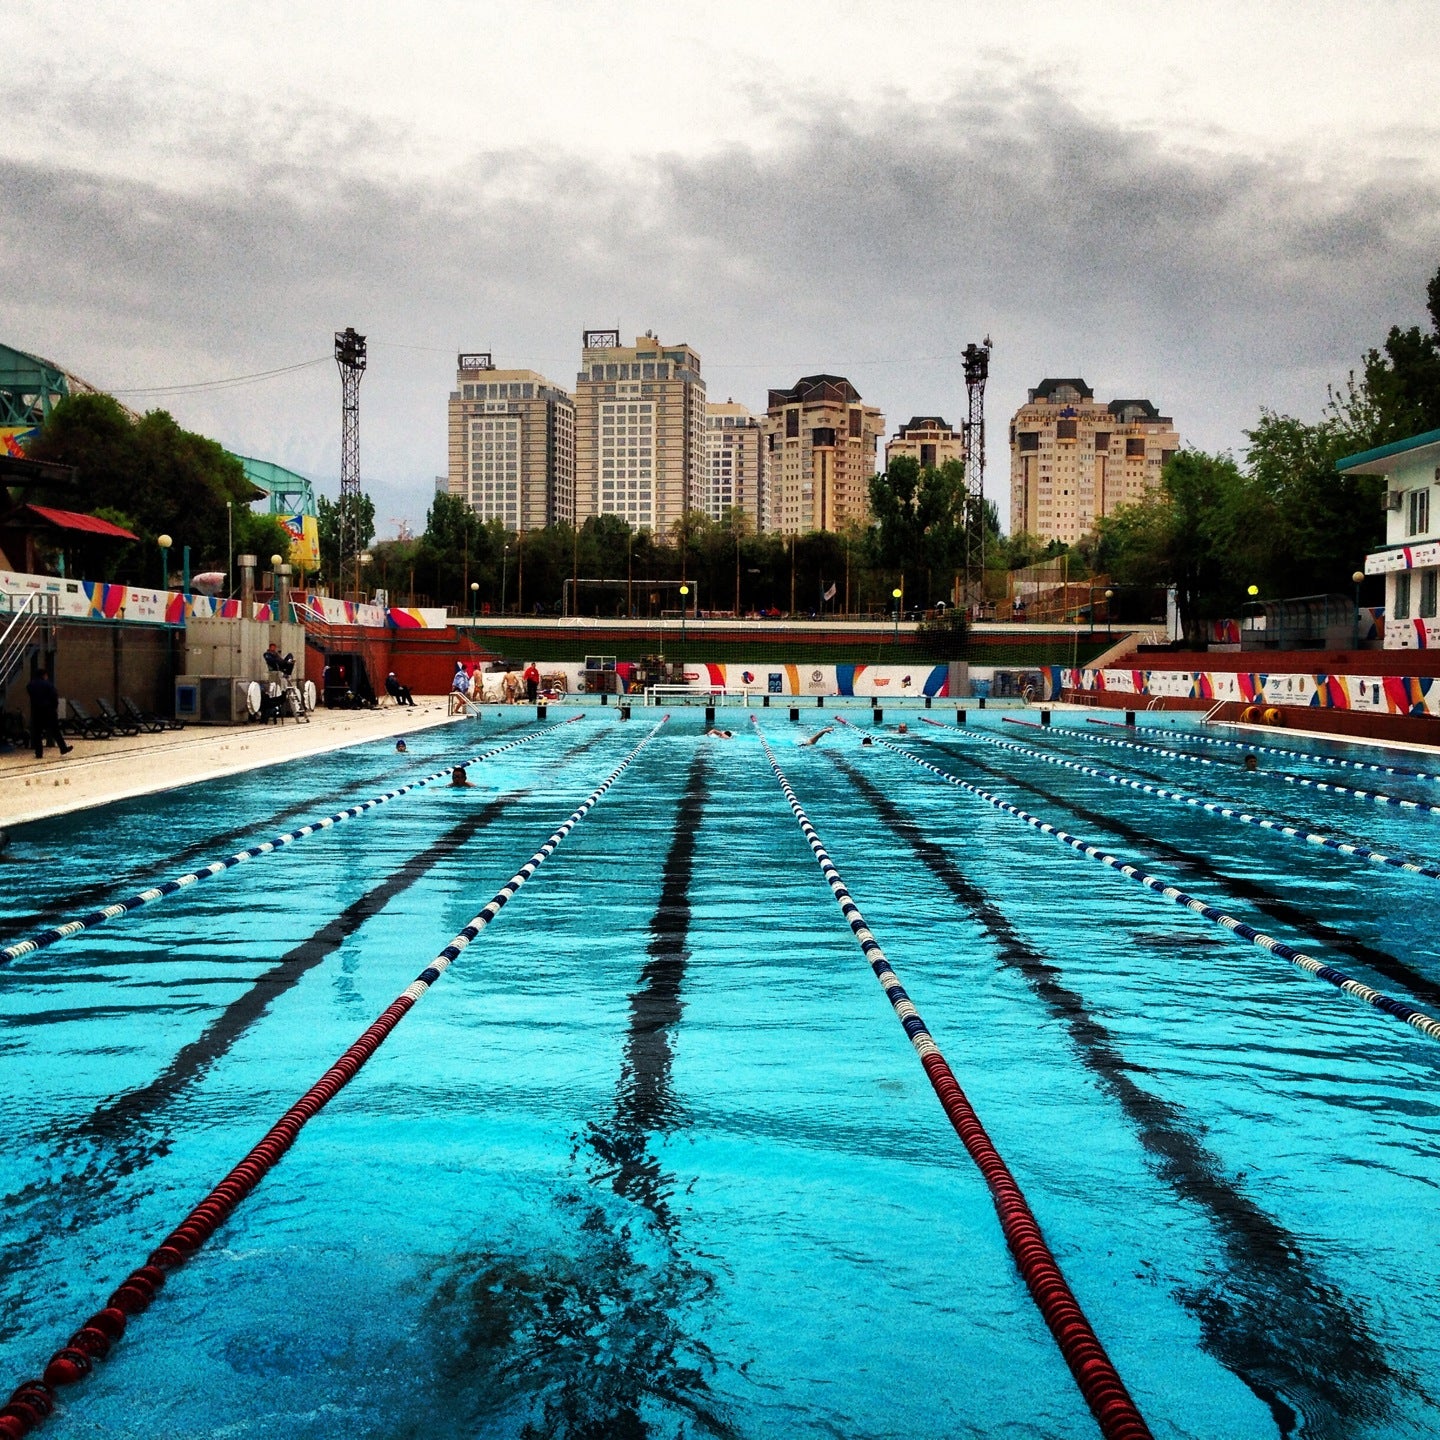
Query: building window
{"x": 1135, "y": 449}
{"x": 792, "y": 424}
{"x": 1102, "y": 439}
{"x": 1419, "y": 512}
{"x": 1029, "y": 440}
{"x": 855, "y": 424}
{"x": 1427, "y": 593}
{"x": 1066, "y": 429}
{"x": 1402, "y": 596}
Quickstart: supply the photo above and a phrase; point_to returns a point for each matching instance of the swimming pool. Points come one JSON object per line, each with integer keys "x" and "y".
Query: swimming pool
{"x": 654, "y": 1157}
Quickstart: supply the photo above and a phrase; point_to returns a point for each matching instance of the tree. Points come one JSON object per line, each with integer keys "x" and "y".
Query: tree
{"x": 162, "y": 478}
{"x": 338, "y": 522}
{"x": 1402, "y": 379}
{"x": 920, "y": 518}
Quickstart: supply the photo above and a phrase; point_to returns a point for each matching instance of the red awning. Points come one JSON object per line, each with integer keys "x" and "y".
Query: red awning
{"x": 70, "y": 520}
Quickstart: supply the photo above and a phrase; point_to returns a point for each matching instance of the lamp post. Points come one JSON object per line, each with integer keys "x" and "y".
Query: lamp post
{"x": 1109, "y": 629}
{"x": 504, "y": 565}
{"x": 684, "y": 591}
{"x": 164, "y": 542}
{"x": 897, "y": 594}
{"x": 1358, "y": 577}
{"x": 474, "y": 595}
{"x": 229, "y": 548}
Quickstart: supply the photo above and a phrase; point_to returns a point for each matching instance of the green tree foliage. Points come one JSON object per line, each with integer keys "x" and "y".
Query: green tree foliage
{"x": 336, "y": 523}
{"x": 920, "y": 518}
{"x": 164, "y": 479}
{"x": 1402, "y": 378}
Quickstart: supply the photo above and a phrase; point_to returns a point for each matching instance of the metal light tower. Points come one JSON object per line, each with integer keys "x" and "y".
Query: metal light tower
{"x": 977, "y": 371}
{"x": 350, "y": 357}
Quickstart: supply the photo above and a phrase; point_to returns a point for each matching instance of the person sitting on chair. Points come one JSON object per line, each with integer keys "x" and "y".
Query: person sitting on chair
{"x": 399, "y": 693}
{"x": 281, "y": 664}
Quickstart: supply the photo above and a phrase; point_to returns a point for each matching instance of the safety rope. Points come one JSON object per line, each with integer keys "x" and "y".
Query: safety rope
{"x": 1214, "y": 807}
{"x": 1095, "y": 1374}
{"x": 1313, "y": 759}
{"x": 45, "y": 938}
{"x": 1426, "y": 1024}
{"x": 34, "y": 1399}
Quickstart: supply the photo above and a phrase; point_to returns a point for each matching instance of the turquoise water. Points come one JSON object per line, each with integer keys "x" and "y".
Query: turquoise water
{"x": 654, "y": 1158}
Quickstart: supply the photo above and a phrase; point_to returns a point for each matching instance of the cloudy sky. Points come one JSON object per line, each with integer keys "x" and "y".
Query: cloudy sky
{"x": 1215, "y": 205}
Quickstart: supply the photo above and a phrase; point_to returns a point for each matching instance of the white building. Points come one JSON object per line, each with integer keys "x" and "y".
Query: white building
{"x": 734, "y": 462}
{"x": 1410, "y": 560}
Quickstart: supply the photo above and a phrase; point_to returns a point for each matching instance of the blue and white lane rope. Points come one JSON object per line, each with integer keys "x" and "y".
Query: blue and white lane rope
{"x": 74, "y": 1361}
{"x": 1094, "y": 1372}
{"x": 1214, "y": 807}
{"x": 1425, "y": 1024}
{"x": 45, "y": 938}
{"x": 1336, "y": 760}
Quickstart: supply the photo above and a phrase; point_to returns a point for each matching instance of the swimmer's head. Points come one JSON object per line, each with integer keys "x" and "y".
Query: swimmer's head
{"x": 401, "y": 746}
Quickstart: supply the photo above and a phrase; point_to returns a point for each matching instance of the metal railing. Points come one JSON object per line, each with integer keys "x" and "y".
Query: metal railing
{"x": 31, "y": 627}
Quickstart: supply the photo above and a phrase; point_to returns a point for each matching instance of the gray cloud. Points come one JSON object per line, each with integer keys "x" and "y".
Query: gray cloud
{"x": 861, "y": 237}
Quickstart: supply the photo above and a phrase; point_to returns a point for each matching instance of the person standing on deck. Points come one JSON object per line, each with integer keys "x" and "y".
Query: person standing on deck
{"x": 44, "y": 713}
{"x": 532, "y": 682}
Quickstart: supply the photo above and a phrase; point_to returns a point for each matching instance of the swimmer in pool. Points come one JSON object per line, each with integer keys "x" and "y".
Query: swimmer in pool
{"x": 1251, "y": 763}
{"x": 459, "y": 780}
{"x": 401, "y": 747}
{"x": 721, "y": 734}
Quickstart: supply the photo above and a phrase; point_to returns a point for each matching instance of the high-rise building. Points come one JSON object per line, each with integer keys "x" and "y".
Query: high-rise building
{"x": 512, "y": 445}
{"x": 820, "y": 448}
{"x": 928, "y": 440}
{"x": 734, "y": 462}
{"x": 1074, "y": 459}
{"x": 639, "y": 430}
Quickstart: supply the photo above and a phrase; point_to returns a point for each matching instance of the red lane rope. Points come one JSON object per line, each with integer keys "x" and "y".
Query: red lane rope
{"x": 1094, "y": 1372}
{"x": 34, "y": 1400}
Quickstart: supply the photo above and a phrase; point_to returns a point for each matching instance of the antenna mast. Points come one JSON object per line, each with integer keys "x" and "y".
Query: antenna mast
{"x": 977, "y": 371}
{"x": 350, "y": 357}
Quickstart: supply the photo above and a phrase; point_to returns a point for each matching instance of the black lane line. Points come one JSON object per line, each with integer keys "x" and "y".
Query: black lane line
{"x": 590, "y": 1345}
{"x": 1422, "y": 987}
{"x": 1301, "y": 1346}
{"x": 95, "y": 894}
{"x": 644, "y": 1103}
{"x": 121, "y": 1125}
{"x": 1089, "y": 757}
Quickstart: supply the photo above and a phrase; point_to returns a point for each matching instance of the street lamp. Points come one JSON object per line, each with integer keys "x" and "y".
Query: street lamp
{"x": 1109, "y": 596}
{"x": 896, "y": 595}
{"x": 504, "y": 565}
{"x": 1357, "y": 577}
{"x": 684, "y": 591}
{"x": 474, "y": 595}
{"x": 164, "y": 542}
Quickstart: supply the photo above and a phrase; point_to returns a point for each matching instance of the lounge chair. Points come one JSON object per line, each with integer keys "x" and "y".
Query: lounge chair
{"x": 147, "y": 720}
{"x": 120, "y": 724}
{"x": 81, "y": 722}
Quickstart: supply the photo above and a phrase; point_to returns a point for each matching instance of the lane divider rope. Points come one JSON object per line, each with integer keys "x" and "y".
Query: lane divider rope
{"x": 1314, "y": 759}
{"x": 1330, "y": 786}
{"x": 1094, "y": 1373}
{"x": 45, "y": 938}
{"x": 33, "y": 1401}
{"x": 1350, "y": 848}
{"x": 1426, "y": 1024}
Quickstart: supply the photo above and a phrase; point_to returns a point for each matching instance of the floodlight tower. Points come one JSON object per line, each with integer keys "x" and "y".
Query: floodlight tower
{"x": 977, "y": 371}
{"x": 350, "y": 357}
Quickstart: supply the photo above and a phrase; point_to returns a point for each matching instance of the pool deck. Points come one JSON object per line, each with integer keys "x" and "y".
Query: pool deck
{"x": 99, "y": 771}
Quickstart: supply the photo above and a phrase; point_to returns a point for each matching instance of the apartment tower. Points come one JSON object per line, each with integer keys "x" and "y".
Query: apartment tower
{"x": 512, "y": 445}
{"x": 928, "y": 440}
{"x": 1074, "y": 459}
{"x": 820, "y": 448}
{"x": 639, "y": 430}
{"x": 734, "y": 462}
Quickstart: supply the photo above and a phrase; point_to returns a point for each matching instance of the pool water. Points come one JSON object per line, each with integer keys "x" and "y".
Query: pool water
{"x": 653, "y": 1157}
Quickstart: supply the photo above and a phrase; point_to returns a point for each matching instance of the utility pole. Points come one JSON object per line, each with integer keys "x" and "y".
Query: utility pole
{"x": 350, "y": 357}
{"x": 977, "y": 371}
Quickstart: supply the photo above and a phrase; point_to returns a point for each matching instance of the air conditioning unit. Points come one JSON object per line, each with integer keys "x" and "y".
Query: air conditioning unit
{"x": 212, "y": 699}
{"x": 1394, "y": 499}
